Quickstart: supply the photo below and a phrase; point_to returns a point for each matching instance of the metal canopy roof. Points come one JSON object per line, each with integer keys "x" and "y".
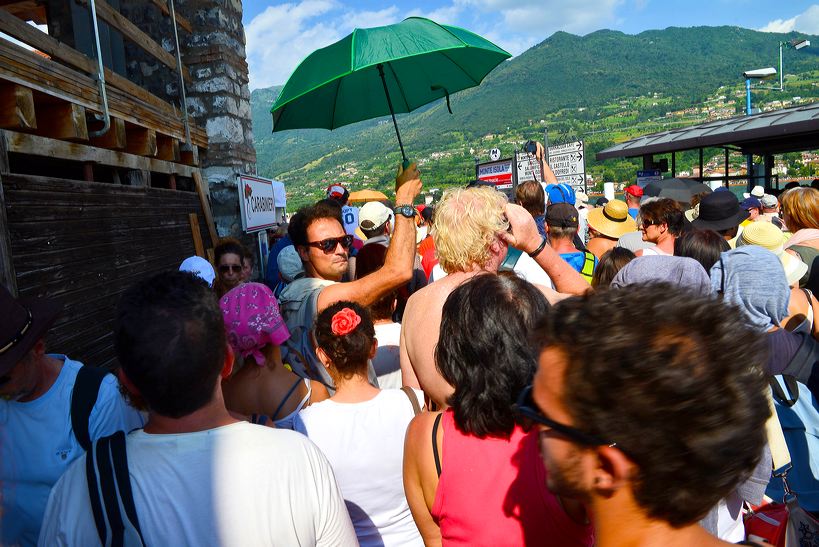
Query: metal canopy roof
{"x": 776, "y": 132}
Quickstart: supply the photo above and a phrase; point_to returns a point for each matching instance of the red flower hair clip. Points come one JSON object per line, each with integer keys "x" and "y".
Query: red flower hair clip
{"x": 344, "y": 322}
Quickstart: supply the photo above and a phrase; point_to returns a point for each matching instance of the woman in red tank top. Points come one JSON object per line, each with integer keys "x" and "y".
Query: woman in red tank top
{"x": 472, "y": 475}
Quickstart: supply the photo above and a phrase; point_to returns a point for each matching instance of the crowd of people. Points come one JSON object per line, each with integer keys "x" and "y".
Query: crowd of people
{"x": 478, "y": 372}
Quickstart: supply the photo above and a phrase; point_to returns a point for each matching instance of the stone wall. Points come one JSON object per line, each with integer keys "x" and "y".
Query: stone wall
{"x": 219, "y": 100}
{"x": 218, "y": 97}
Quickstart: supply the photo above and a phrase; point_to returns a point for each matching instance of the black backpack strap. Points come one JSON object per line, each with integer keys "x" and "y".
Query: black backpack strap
{"x": 788, "y": 399}
{"x": 435, "y": 443}
{"x": 83, "y": 397}
{"x": 109, "y": 488}
{"x": 804, "y": 362}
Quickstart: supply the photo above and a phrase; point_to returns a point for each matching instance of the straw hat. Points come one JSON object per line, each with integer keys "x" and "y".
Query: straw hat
{"x": 612, "y": 220}
{"x": 766, "y": 235}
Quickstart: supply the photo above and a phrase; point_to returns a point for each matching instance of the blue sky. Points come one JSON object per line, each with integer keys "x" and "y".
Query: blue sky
{"x": 280, "y": 34}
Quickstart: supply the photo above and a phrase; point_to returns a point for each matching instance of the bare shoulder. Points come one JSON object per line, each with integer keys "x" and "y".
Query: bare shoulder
{"x": 419, "y": 432}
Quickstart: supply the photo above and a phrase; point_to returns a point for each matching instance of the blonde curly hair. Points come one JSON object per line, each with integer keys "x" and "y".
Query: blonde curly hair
{"x": 465, "y": 224}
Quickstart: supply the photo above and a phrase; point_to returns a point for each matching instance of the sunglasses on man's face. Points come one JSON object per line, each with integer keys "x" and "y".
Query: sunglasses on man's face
{"x": 329, "y": 245}
{"x": 225, "y": 268}
{"x": 525, "y": 406}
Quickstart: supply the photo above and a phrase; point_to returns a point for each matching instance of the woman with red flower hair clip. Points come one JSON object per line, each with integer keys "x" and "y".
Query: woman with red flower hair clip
{"x": 361, "y": 428}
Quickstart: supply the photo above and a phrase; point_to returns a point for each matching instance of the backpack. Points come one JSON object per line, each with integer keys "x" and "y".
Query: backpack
{"x": 798, "y": 413}
{"x": 83, "y": 397}
{"x": 587, "y": 271}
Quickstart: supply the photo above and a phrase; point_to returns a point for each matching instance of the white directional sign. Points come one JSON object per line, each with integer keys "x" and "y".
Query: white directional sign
{"x": 528, "y": 168}
{"x": 568, "y": 162}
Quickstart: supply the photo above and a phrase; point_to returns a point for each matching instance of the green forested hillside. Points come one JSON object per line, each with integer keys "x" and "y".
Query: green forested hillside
{"x": 604, "y": 87}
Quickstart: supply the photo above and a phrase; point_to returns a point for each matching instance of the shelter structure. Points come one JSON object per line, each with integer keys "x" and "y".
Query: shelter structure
{"x": 107, "y": 112}
{"x": 766, "y": 134}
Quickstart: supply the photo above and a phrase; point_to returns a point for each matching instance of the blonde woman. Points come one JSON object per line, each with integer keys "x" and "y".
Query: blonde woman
{"x": 800, "y": 212}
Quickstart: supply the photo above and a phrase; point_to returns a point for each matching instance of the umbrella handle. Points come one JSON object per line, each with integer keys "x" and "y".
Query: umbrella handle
{"x": 392, "y": 113}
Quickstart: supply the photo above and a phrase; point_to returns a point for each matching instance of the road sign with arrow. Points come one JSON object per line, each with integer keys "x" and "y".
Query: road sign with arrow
{"x": 568, "y": 161}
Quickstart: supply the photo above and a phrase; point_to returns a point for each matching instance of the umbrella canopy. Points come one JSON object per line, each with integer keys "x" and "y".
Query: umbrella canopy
{"x": 696, "y": 186}
{"x": 365, "y": 196}
{"x": 378, "y": 71}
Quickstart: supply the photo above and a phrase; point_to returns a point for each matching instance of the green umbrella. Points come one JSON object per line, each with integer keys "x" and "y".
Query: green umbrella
{"x": 383, "y": 70}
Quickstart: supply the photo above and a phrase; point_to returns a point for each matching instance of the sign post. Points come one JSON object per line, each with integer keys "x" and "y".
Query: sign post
{"x": 528, "y": 168}
{"x": 262, "y": 202}
{"x": 500, "y": 173}
{"x": 649, "y": 176}
{"x": 568, "y": 162}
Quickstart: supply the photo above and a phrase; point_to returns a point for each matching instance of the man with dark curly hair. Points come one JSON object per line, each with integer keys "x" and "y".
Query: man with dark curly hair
{"x": 652, "y": 416}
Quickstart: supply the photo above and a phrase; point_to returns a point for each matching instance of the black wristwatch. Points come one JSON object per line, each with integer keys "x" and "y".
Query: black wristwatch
{"x": 405, "y": 210}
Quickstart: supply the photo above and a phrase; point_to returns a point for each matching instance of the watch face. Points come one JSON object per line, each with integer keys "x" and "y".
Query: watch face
{"x": 405, "y": 210}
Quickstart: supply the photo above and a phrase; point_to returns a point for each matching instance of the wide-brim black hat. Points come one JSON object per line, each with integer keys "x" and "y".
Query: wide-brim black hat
{"x": 23, "y": 321}
{"x": 719, "y": 211}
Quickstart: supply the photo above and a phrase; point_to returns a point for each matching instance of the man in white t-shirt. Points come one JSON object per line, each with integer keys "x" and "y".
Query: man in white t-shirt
{"x": 198, "y": 476}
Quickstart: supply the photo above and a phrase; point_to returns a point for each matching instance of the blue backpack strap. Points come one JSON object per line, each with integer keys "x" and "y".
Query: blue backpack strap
{"x": 109, "y": 487}
{"x": 83, "y": 398}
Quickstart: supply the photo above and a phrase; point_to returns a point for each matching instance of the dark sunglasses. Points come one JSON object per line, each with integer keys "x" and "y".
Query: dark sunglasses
{"x": 230, "y": 267}
{"x": 526, "y": 407}
{"x": 329, "y": 245}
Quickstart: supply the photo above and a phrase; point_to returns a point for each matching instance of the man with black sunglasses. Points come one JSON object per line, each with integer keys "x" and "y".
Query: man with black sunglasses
{"x": 652, "y": 416}
{"x": 324, "y": 246}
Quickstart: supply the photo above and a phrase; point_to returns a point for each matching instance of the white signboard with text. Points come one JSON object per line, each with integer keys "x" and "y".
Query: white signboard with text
{"x": 261, "y": 201}
{"x": 568, "y": 162}
{"x": 528, "y": 168}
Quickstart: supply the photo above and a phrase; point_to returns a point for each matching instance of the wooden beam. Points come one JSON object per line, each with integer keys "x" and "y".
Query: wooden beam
{"x": 27, "y": 10}
{"x": 140, "y": 141}
{"x": 62, "y": 121}
{"x": 114, "y": 138}
{"x": 180, "y": 21}
{"x": 198, "y": 246}
{"x": 8, "y": 277}
{"x": 190, "y": 157}
{"x": 167, "y": 148}
{"x": 16, "y": 107}
{"x": 132, "y": 32}
{"x": 21, "y": 66}
{"x": 202, "y": 190}
{"x": 33, "y": 145}
{"x": 58, "y": 50}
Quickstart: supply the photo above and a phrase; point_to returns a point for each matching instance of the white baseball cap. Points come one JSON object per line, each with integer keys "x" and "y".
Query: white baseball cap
{"x": 373, "y": 214}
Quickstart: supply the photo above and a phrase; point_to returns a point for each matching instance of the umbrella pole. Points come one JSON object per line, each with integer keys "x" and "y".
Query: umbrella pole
{"x": 392, "y": 113}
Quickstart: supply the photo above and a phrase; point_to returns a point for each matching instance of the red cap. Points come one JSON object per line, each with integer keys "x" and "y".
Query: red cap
{"x": 634, "y": 190}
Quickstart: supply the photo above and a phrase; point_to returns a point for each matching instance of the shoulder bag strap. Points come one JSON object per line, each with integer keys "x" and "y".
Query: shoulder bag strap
{"x": 776, "y": 441}
{"x": 408, "y": 391}
{"x": 435, "y": 443}
{"x": 83, "y": 397}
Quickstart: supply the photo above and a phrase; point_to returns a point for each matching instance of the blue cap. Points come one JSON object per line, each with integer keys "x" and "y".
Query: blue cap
{"x": 560, "y": 193}
{"x": 751, "y": 203}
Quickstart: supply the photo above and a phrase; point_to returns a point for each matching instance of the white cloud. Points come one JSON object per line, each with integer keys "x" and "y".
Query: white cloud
{"x": 807, "y": 22}
{"x": 281, "y": 36}
{"x": 539, "y": 18}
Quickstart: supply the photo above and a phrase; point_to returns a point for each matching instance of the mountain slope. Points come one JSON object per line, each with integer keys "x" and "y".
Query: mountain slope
{"x": 550, "y": 82}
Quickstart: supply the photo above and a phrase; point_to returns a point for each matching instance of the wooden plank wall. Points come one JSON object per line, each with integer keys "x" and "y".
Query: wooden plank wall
{"x": 85, "y": 243}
